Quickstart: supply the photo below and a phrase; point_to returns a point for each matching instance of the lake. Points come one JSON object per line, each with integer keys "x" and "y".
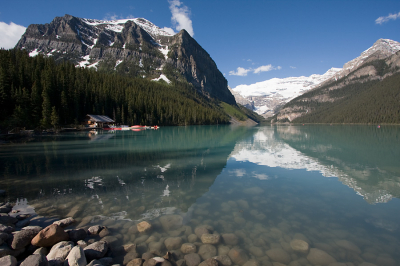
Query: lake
{"x": 294, "y": 195}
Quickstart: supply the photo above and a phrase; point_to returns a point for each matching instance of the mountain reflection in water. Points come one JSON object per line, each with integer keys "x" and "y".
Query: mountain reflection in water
{"x": 266, "y": 185}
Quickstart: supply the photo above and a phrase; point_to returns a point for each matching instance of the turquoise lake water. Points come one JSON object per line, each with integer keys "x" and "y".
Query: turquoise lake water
{"x": 334, "y": 187}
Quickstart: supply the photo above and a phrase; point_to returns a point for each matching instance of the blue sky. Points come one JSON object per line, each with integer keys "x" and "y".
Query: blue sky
{"x": 250, "y": 41}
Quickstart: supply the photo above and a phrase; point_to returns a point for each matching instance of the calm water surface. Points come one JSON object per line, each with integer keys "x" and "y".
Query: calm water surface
{"x": 334, "y": 187}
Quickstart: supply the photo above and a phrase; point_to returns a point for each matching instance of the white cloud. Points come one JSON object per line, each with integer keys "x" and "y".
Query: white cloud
{"x": 382, "y": 20}
{"x": 292, "y": 67}
{"x": 240, "y": 72}
{"x": 113, "y": 16}
{"x": 266, "y": 68}
{"x": 10, "y": 34}
{"x": 169, "y": 30}
{"x": 180, "y": 16}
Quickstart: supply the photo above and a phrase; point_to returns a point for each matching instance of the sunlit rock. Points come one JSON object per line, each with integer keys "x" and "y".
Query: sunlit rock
{"x": 59, "y": 252}
{"x": 49, "y": 236}
{"x": 143, "y": 227}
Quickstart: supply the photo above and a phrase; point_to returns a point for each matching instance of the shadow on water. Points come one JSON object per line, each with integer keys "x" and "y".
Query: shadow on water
{"x": 122, "y": 168}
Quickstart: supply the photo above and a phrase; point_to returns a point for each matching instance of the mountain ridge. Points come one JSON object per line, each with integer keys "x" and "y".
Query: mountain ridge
{"x": 368, "y": 93}
{"x": 134, "y": 47}
{"x": 268, "y": 98}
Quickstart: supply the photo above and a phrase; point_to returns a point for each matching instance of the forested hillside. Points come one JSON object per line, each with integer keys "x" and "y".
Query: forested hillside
{"x": 370, "y": 102}
{"x": 37, "y": 92}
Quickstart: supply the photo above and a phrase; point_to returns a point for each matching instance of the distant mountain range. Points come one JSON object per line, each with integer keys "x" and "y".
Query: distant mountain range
{"x": 134, "y": 47}
{"x": 366, "y": 90}
{"x": 269, "y": 97}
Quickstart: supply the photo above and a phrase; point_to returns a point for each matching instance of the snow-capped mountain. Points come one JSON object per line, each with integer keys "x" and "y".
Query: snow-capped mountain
{"x": 134, "y": 47}
{"x": 269, "y": 95}
{"x": 379, "y": 64}
{"x": 381, "y": 49}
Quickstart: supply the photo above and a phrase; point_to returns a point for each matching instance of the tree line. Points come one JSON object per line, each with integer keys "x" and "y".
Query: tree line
{"x": 37, "y": 92}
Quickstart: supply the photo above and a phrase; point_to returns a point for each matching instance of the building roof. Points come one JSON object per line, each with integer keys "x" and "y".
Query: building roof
{"x": 101, "y": 118}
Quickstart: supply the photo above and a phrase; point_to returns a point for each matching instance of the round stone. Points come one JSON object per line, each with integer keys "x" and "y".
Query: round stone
{"x": 210, "y": 238}
{"x": 299, "y": 245}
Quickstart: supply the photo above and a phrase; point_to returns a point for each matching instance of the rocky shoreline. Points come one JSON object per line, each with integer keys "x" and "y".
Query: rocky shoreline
{"x": 167, "y": 241}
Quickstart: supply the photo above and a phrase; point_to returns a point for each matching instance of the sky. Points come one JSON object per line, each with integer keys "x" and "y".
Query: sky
{"x": 250, "y": 41}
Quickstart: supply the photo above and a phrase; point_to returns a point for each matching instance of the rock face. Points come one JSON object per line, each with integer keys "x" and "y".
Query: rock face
{"x": 135, "y": 47}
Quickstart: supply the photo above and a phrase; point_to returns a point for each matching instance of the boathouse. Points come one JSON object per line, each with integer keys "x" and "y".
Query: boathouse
{"x": 97, "y": 120}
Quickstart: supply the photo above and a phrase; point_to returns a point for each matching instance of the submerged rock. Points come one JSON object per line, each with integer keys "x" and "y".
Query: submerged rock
{"x": 143, "y": 227}
{"x": 192, "y": 259}
{"x": 299, "y": 246}
{"x": 320, "y": 257}
{"x": 279, "y": 255}
{"x": 230, "y": 239}
{"x": 210, "y": 238}
{"x": 238, "y": 256}
{"x": 224, "y": 260}
{"x": 172, "y": 243}
{"x": 209, "y": 262}
{"x": 207, "y": 251}
{"x": 187, "y": 248}
{"x": 171, "y": 222}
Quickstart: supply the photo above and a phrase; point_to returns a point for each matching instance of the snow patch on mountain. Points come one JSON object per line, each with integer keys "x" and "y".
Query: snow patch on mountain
{"x": 273, "y": 92}
{"x": 117, "y": 25}
{"x": 163, "y": 77}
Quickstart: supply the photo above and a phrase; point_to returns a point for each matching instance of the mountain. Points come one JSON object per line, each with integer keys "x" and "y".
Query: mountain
{"x": 366, "y": 90}
{"x": 268, "y": 96}
{"x": 135, "y": 47}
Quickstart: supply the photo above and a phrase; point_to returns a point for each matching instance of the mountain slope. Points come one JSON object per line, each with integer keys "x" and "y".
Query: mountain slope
{"x": 133, "y": 47}
{"x": 268, "y": 96}
{"x": 367, "y": 90}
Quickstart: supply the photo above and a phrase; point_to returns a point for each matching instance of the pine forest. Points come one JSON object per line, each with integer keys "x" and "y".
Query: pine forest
{"x": 36, "y": 92}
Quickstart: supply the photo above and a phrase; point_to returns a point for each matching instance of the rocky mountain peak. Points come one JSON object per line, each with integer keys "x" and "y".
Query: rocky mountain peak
{"x": 381, "y": 49}
{"x": 134, "y": 47}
